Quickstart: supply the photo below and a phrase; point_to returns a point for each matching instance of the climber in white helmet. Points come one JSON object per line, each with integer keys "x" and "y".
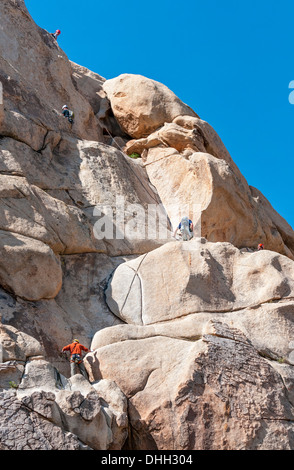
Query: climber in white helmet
{"x": 68, "y": 114}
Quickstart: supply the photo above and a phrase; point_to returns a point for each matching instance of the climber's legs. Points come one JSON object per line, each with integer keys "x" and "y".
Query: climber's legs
{"x": 186, "y": 234}
{"x": 76, "y": 368}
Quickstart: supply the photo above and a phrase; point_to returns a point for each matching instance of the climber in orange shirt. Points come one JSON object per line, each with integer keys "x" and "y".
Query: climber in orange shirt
{"x": 76, "y": 359}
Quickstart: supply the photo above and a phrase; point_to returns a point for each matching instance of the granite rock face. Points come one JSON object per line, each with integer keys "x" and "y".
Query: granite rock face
{"x": 206, "y": 277}
{"x": 191, "y": 342}
{"x": 213, "y": 392}
{"x": 203, "y": 353}
{"x": 188, "y": 164}
{"x": 70, "y": 421}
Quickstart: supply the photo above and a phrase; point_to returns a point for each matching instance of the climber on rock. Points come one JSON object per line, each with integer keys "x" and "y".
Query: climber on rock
{"x": 76, "y": 360}
{"x": 260, "y": 247}
{"x": 68, "y": 114}
{"x": 56, "y": 34}
{"x": 186, "y": 229}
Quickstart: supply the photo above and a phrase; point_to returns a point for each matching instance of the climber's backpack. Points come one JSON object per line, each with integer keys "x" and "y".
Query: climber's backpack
{"x": 185, "y": 223}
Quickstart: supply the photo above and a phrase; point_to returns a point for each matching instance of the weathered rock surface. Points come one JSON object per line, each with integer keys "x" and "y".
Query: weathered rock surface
{"x": 211, "y": 393}
{"x": 191, "y": 343}
{"x": 66, "y": 421}
{"x": 68, "y": 189}
{"x": 188, "y": 164}
{"x": 22, "y": 428}
{"x": 79, "y": 310}
{"x": 30, "y": 268}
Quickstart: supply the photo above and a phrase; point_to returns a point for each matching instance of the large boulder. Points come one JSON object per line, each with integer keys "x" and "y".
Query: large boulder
{"x": 27, "y": 210}
{"x": 142, "y": 105}
{"x": 197, "y": 276}
{"x": 29, "y": 269}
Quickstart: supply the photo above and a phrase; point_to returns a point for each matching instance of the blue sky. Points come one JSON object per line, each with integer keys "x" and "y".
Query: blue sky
{"x": 232, "y": 61}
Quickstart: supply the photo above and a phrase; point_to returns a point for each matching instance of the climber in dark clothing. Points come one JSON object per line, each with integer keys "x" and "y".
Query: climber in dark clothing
{"x": 68, "y": 114}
